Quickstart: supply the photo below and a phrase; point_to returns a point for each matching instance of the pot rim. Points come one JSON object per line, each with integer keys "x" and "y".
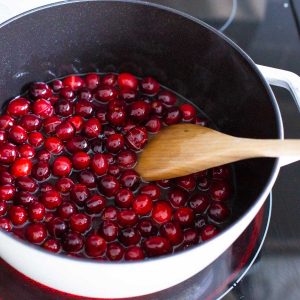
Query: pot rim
{"x": 250, "y": 63}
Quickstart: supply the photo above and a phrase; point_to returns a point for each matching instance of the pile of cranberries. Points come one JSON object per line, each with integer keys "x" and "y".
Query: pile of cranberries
{"x": 67, "y": 179}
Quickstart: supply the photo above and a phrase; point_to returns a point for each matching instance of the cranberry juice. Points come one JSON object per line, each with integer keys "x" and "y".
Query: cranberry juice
{"x": 67, "y": 179}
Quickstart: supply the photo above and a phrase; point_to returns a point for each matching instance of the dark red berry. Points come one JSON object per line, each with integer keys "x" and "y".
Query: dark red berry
{"x": 127, "y": 81}
{"x": 95, "y": 204}
{"x": 62, "y": 166}
{"x": 218, "y": 212}
{"x": 157, "y": 245}
{"x": 21, "y": 167}
{"x": 66, "y": 210}
{"x": 79, "y": 194}
{"x": 74, "y": 82}
{"x": 80, "y": 160}
{"x": 134, "y": 253}
{"x": 178, "y": 197}
{"x": 136, "y": 138}
{"x": 219, "y": 190}
{"x": 18, "y": 107}
{"x": 172, "y": 232}
{"x": 109, "y": 230}
{"x": 40, "y": 90}
{"x": 142, "y": 204}
{"x": 130, "y": 179}
{"x": 167, "y": 97}
{"x": 208, "y": 232}
{"x": 92, "y": 128}
{"x": 188, "y": 112}
{"x": 72, "y": 242}
{"x": 92, "y": 81}
{"x": 95, "y": 245}
{"x": 162, "y": 212}
{"x": 42, "y": 108}
{"x": 17, "y": 214}
{"x": 40, "y": 171}
{"x": 51, "y": 199}
{"x": 185, "y": 216}
{"x": 36, "y": 233}
{"x": 99, "y": 164}
{"x": 80, "y": 222}
{"x": 114, "y": 251}
{"x": 36, "y": 212}
{"x": 106, "y": 93}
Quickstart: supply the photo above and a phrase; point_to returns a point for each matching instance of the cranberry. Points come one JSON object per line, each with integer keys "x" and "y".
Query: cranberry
{"x": 165, "y": 183}
{"x": 80, "y": 160}
{"x": 204, "y": 183}
{"x": 208, "y": 232}
{"x": 109, "y": 230}
{"x": 178, "y": 197}
{"x": 62, "y": 166}
{"x": 5, "y": 224}
{"x": 66, "y": 210}
{"x": 18, "y": 107}
{"x": 139, "y": 111}
{"x": 95, "y": 204}
{"x": 26, "y": 183}
{"x": 74, "y": 82}
{"x": 72, "y": 242}
{"x": 172, "y": 116}
{"x": 114, "y": 251}
{"x": 21, "y": 167}
{"x": 51, "y": 199}
{"x": 219, "y": 190}
{"x": 40, "y": 90}
{"x": 6, "y": 122}
{"x": 7, "y": 192}
{"x": 134, "y": 253}
{"x": 92, "y": 81}
{"x": 17, "y": 214}
{"x": 109, "y": 213}
{"x": 127, "y": 159}
{"x": 187, "y": 182}
{"x": 65, "y": 131}
{"x": 136, "y": 138}
{"x": 188, "y": 112}
{"x": 99, "y": 164}
{"x": 77, "y": 143}
{"x": 63, "y": 108}
{"x": 26, "y": 151}
{"x": 49, "y": 216}
{"x": 64, "y": 184}
{"x": 130, "y": 179}
{"x": 77, "y": 122}
{"x": 36, "y": 212}
{"x": 114, "y": 170}
{"x": 157, "y": 108}
{"x": 151, "y": 190}
{"x": 53, "y": 99}
{"x": 85, "y": 95}
{"x": 53, "y": 145}
{"x": 185, "y": 216}
{"x": 142, "y": 204}
{"x": 25, "y": 198}
{"x": 128, "y": 95}
{"x": 79, "y": 193}
{"x": 150, "y": 86}
{"x": 56, "y": 85}
{"x": 36, "y": 233}
{"x": 109, "y": 185}
{"x": 80, "y": 222}
{"x": 153, "y": 125}
{"x": 109, "y": 79}
{"x": 87, "y": 178}
{"x": 199, "y": 203}
{"x": 124, "y": 198}
{"x": 146, "y": 228}
{"x": 129, "y": 236}
{"x": 3, "y": 136}
{"x": 95, "y": 245}
{"x": 92, "y": 128}
{"x": 108, "y": 130}
{"x": 127, "y": 218}
{"x": 157, "y": 245}
{"x": 67, "y": 93}
{"x": 172, "y": 232}
{"x": 190, "y": 237}
{"x": 41, "y": 170}
{"x": 46, "y": 187}
{"x": 115, "y": 143}
{"x": 167, "y": 97}
{"x": 199, "y": 222}
{"x": 6, "y": 178}
{"x": 116, "y": 116}
{"x": 106, "y": 93}
{"x": 127, "y": 81}
{"x": 35, "y": 139}
{"x": 8, "y": 153}
{"x": 218, "y": 212}
{"x": 42, "y": 108}
{"x": 221, "y": 172}
{"x": 84, "y": 108}
{"x": 30, "y": 122}
{"x": 101, "y": 114}
{"x": 162, "y": 212}
{"x": 52, "y": 245}
{"x": 17, "y": 134}
{"x": 3, "y": 207}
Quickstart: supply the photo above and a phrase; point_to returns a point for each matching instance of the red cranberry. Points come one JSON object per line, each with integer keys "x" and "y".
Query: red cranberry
{"x": 106, "y": 93}
{"x": 74, "y": 82}
{"x": 8, "y": 153}
{"x": 157, "y": 108}
{"x": 152, "y": 190}
{"x": 77, "y": 122}
{"x": 77, "y": 143}
{"x": 7, "y": 192}
{"x": 5, "y": 224}
{"x": 188, "y": 112}
{"x": 129, "y": 236}
{"x": 46, "y": 187}
{"x": 40, "y": 90}
{"x": 221, "y": 172}
{"x": 43, "y": 155}
{"x": 80, "y": 160}
{"x": 53, "y": 145}
{"x": 95, "y": 245}
{"x": 109, "y": 230}
{"x": 109, "y": 79}
{"x": 3, "y": 136}
{"x": 139, "y": 111}
{"x": 64, "y": 108}
{"x": 84, "y": 108}
{"x": 87, "y": 178}
{"x": 115, "y": 143}
{"x": 3, "y": 207}
{"x": 172, "y": 232}
{"x": 99, "y": 164}
{"x": 6, "y": 178}
{"x": 128, "y": 95}
{"x": 80, "y": 222}
{"x": 130, "y": 179}
{"x": 185, "y": 216}
{"x": 167, "y": 97}
{"x": 124, "y": 198}
{"x": 17, "y": 134}
{"x": 53, "y": 99}
{"x": 165, "y": 183}
{"x": 187, "y": 182}
{"x": 110, "y": 158}
{"x": 41, "y": 170}
{"x": 146, "y": 228}
{"x": 30, "y": 122}
{"x": 35, "y": 139}
{"x": 56, "y": 85}
{"x": 127, "y": 81}
{"x": 62, "y": 166}
{"x": 26, "y": 151}
{"x": 18, "y": 107}
{"x": 199, "y": 222}
{"x": 142, "y": 204}
{"x": 101, "y": 114}
{"x": 127, "y": 159}
{"x": 51, "y": 199}
{"x": 114, "y": 170}
{"x": 208, "y": 232}
{"x": 66, "y": 210}
{"x": 162, "y": 212}
{"x": 114, "y": 251}
{"x": 127, "y": 218}
{"x": 134, "y": 253}
{"x": 137, "y": 138}
{"x": 26, "y": 183}
{"x": 79, "y": 193}
{"x": 85, "y": 95}
{"x": 64, "y": 184}
{"x": 92, "y": 128}
{"x": 172, "y": 116}
{"x": 150, "y": 86}
{"x": 6, "y": 122}
{"x": 25, "y": 198}
{"x": 36, "y": 233}
{"x": 190, "y": 237}
{"x": 72, "y": 242}
{"x": 42, "y": 108}
{"x": 92, "y": 81}
{"x": 219, "y": 190}
{"x": 199, "y": 203}
{"x": 67, "y": 93}
{"x": 218, "y": 212}
{"x": 36, "y": 212}
{"x": 108, "y": 185}
{"x": 157, "y": 245}
{"x": 178, "y": 197}
{"x": 153, "y": 125}
{"x": 65, "y": 131}
{"x": 52, "y": 245}
{"x": 17, "y": 215}
{"x": 57, "y": 227}
{"x": 21, "y": 167}
{"x": 109, "y": 213}
{"x": 49, "y": 216}
{"x": 95, "y": 204}
{"x": 116, "y": 116}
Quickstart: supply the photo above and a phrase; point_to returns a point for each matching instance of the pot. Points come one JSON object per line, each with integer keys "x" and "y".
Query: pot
{"x": 185, "y": 55}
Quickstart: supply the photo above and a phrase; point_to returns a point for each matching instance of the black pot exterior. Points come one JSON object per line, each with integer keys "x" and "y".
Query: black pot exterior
{"x": 183, "y": 54}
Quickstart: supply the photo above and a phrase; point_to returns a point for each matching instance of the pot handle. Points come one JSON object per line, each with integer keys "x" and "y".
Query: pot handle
{"x": 289, "y": 81}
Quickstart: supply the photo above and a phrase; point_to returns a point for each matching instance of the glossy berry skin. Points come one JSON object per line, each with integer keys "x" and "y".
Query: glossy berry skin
{"x": 3, "y": 207}
{"x": 109, "y": 230}
{"x": 17, "y": 215}
{"x": 41, "y": 170}
{"x": 150, "y": 86}
{"x": 84, "y": 108}
{"x": 109, "y": 213}
{"x": 95, "y": 204}
{"x": 17, "y": 134}
{"x": 184, "y": 216}
{"x": 18, "y": 107}
{"x": 139, "y": 111}
{"x": 126, "y": 159}
{"x": 64, "y": 185}
{"x": 114, "y": 251}
{"x": 109, "y": 79}
{"x": 151, "y": 190}
{"x": 142, "y": 204}
{"x": 191, "y": 237}
{"x": 199, "y": 203}
{"x": 62, "y": 166}
{"x": 92, "y": 81}
{"x": 200, "y": 222}
{"x": 178, "y": 197}
{"x": 167, "y": 98}
{"x": 25, "y": 198}
{"x": 36, "y": 212}
{"x": 124, "y": 198}
{"x": 26, "y": 183}
{"x": 87, "y": 178}
{"x": 134, "y": 253}
{"x": 114, "y": 170}
{"x": 127, "y": 80}
{"x": 115, "y": 143}
{"x": 219, "y": 190}
{"x": 7, "y": 192}
{"x": 57, "y": 227}
{"x": 173, "y": 232}
{"x": 35, "y": 139}
{"x": 56, "y": 85}
{"x": 188, "y": 112}
{"x": 147, "y": 228}
{"x": 6, "y": 178}
{"x": 6, "y": 122}
{"x": 129, "y": 236}
{"x": 172, "y": 116}
{"x": 106, "y": 93}
{"x": 80, "y": 222}
{"x": 66, "y": 210}
{"x": 116, "y": 116}
{"x": 108, "y": 185}
{"x": 128, "y": 95}
{"x": 53, "y": 145}
{"x": 130, "y": 179}
{"x": 8, "y": 153}
{"x": 127, "y": 217}
{"x": 52, "y": 245}
{"x": 80, "y": 160}
{"x": 30, "y": 122}
{"x": 156, "y": 245}
{"x": 42, "y": 108}
{"x": 76, "y": 144}
{"x": 95, "y": 245}
{"x": 153, "y": 125}
{"x": 5, "y": 224}
{"x": 67, "y": 93}
{"x": 51, "y": 199}
{"x": 92, "y": 128}
{"x": 99, "y": 164}
{"x": 136, "y": 138}
{"x": 208, "y": 232}
{"x": 65, "y": 131}
{"x": 36, "y": 233}
{"x": 79, "y": 194}
{"x": 40, "y": 90}
{"x": 187, "y": 182}
{"x": 77, "y": 122}
{"x": 63, "y": 108}
{"x": 74, "y": 82}
{"x": 221, "y": 172}
{"x": 21, "y": 167}
{"x": 218, "y": 212}
{"x": 162, "y": 212}
{"x": 26, "y": 151}
{"x": 157, "y": 108}
{"x": 72, "y": 242}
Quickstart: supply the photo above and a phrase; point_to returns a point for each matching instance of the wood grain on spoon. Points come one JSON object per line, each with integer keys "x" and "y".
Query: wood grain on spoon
{"x": 184, "y": 149}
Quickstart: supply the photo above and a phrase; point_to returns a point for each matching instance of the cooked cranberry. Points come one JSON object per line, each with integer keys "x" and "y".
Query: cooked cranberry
{"x": 185, "y": 216}
{"x": 6, "y": 177}
{"x": 51, "y": 199}
{"x": 52, "y": 245}
{"x": 77, "y": 143}
{"x": 72, "y": 242}
{"x": 219, "y": 190}
{"x": 30, "y": 122}
{"x": 130, "y": 179}
{"x": 7, "y": 192}
{"x": 152, "y": 190}
{"x": 95, "y": 204}
{"x": 40, "y": 90}
{"x": 64, "y": 184}
{"x": 99, "y": 164}
{"x": 79, "y": 193}
{"x": 26, "y": 151}
{"x": 25, "y": 198}
{"x": 26, "y": 183}
{"x": 187, "y": 182}
{"x": 80, "y": 222}
{"x": 165, "y": 183}
{"x": 124, "y": 198}
{"x": 84, "y": 108}
{"x": 95, "y": 245}
{"x": 127, "y": 218}
{"x": 92, "y": 128}
{"x": 137, "y": 138}
{"x": 8, "y": 153}
{"x": 115, "y": 143}
{"x": 21, "y": 167}
{"x": 167, "y": 97}
{"x": 6, "y": 122}
{"x": 208, "y": 232}
{"x": 188, "y": 112}
{"x": 64, "y": 108}
{"x": 17, "y": 134}
{"x": 3, "y": 136}
{"x": 43, "y": 155}
{"x": 178, "y": 197}
{"x": 114, "y": 251}
{"x": 162, "y": 212}
{"x": 62, "y": 166}
{"x": 127, "y": 81}
{"x": 17, "y": 215}
{"x": 114, "y": 170}
{"x": 172, "y": 116}
{"x": 56, "y": 85}
{"x": 66, "y": 210}
{"x": 134, "y": 253}
{"x": 92, "y": 81}
{"x": 204, "y": 183}
{"x": 40, "y": 170}
{"x": 53, "y": 145}
{"x": 150, "y": 86}
{"x": 87, "y": 178}
{"x": 127, "y": 159}
{"x": 106, "y": 93}
{"x": 190, "y": 237}
{"x": 36, "y": 211}
{"x": 129, "y": 236}
{"x": 65, "y": 131}
{"x": 109, "y": 79}
{"x": 221, "y": 172}
{"x": 139, "y": 111}
{"x": 116, "y": 116}
{"x": 42, "y": 108}
{"x": 74, "y": 82}
{"x": 218, "y": 212}
{"x": 80, "y": 160}
{"x": 146, "y": 228}
{"x": 199, "y": 203}
{"x": 109, "y": 230}
{"x": 142, "y": 204}
{"x": 57, "y": 227}
{"x": 109, "y": 213}
{"x": 5, "y": 224}
{"x": 67, "y": 93}
{"x": 157, "y": 245}
{"x": 77, "y": 122}
{"x": 36, "y": 233}
{"x": 153, "y": 125}
{"x": 108, "y": 185}
{"x": 172, "y": 232}
{"x": 199, "y": 222}
{"x": 35, "y": 139}
{"x": 3, "y": 207}
{"x": 200, "y": 121}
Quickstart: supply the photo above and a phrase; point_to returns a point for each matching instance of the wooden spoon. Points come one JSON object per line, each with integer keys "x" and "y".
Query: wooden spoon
{"x": 184, "y": 149}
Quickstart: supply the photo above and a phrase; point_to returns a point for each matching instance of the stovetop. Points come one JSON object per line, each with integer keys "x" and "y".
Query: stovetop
{"x": 269, "y": 31}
